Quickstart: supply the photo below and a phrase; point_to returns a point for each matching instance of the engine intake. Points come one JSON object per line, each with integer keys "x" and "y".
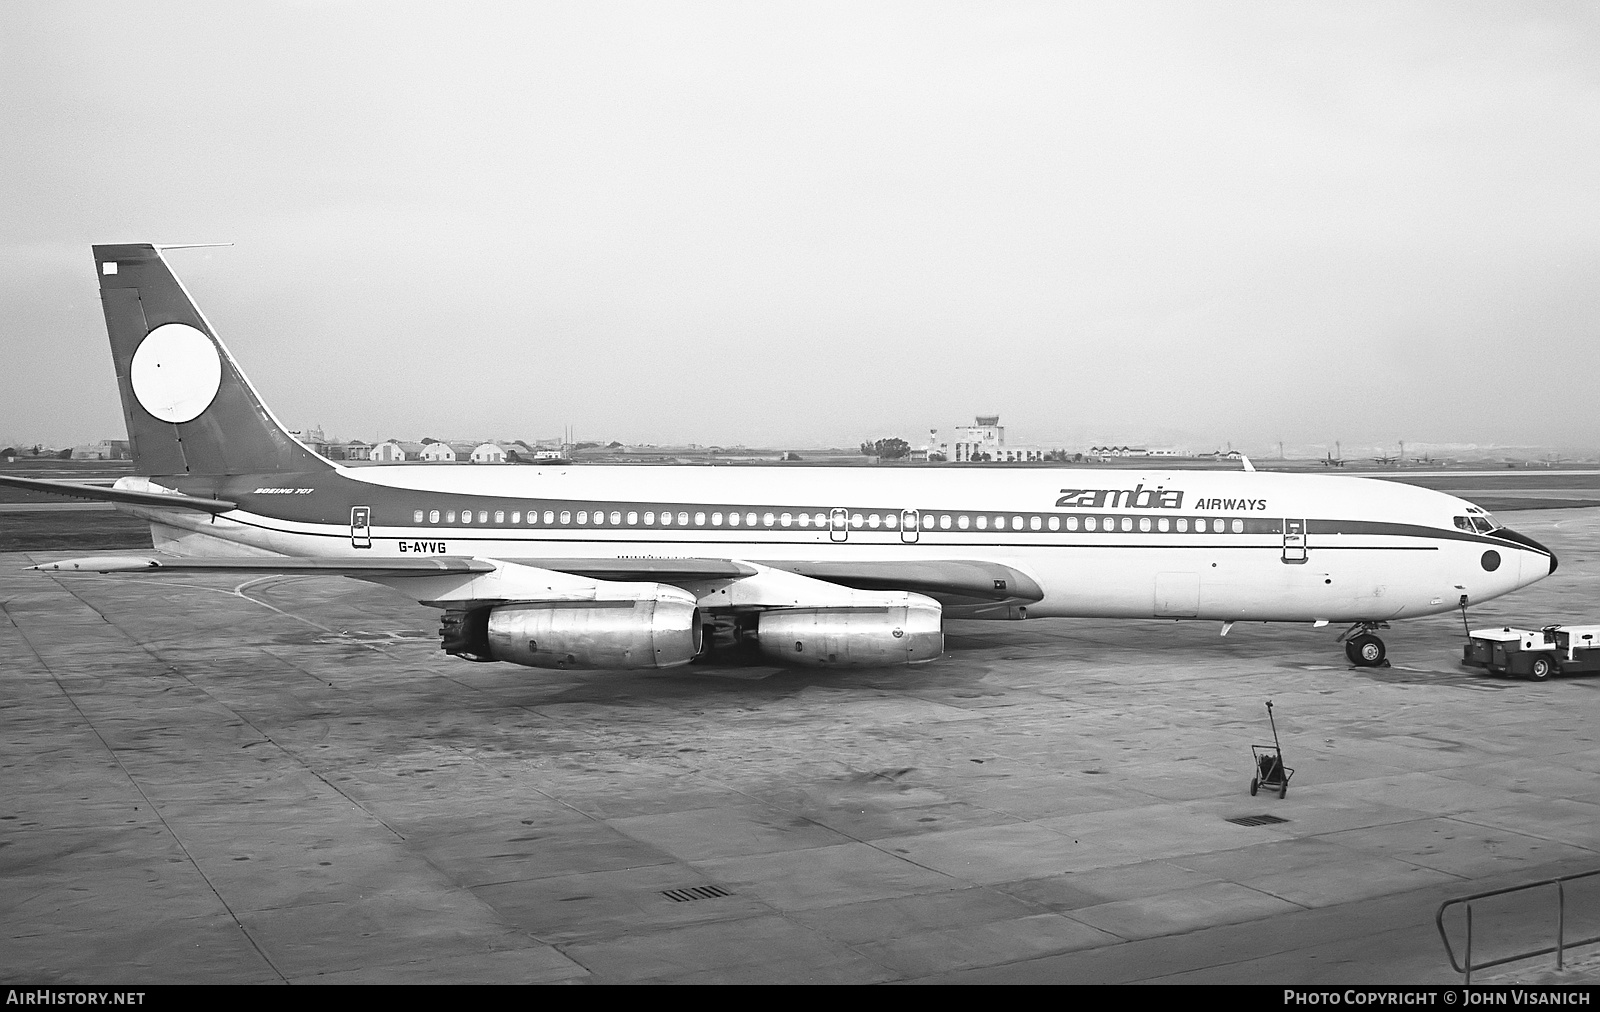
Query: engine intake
{"x": 853, "y": 637}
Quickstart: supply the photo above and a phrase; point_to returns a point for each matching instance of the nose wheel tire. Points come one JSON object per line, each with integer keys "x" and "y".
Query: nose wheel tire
{"x": 1365, "y": 651}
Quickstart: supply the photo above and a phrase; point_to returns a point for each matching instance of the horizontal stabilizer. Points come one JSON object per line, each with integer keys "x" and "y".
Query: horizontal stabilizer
{"x": 106, "y": 493}
{"x": 266, "y": 566}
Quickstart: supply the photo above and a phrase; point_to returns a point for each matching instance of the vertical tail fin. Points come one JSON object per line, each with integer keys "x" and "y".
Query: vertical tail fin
{"x": 188, "y": 407}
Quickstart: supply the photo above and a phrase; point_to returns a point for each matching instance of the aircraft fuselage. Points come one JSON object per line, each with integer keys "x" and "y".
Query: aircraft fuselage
{"x": 1217, "y": 545}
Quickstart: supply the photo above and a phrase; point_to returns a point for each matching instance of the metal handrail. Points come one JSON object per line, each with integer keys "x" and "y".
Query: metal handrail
{"x": 1561, "y": 924}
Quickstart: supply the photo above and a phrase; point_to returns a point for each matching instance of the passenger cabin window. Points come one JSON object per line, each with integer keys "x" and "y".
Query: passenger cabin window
{"x": 616, "y": 516}
{"x": 549, "y": 516}
{"x": 416, "y": 517}
{"x": 566, "y": 517}
{"x": 433, "y": 516}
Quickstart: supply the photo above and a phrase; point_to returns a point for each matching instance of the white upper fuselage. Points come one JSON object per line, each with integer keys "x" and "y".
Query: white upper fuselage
{"x": 1227, "y": 545}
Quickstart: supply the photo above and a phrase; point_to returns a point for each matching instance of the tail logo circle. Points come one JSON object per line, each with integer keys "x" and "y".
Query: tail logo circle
{"x": 176, "y": 372}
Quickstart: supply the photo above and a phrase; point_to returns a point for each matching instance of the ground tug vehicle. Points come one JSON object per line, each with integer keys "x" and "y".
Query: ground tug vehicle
{"x": 1536, "y": 654}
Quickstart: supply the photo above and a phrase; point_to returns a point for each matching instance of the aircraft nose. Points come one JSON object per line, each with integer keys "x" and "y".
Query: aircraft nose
{"x": 1527, "y": 542}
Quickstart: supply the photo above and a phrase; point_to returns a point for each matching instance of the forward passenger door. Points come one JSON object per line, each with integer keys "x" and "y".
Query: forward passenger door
{"x": 1295, "y": 547}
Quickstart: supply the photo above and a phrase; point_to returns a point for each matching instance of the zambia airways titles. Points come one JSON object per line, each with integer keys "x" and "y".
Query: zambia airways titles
{"x": 1141, "y": 498}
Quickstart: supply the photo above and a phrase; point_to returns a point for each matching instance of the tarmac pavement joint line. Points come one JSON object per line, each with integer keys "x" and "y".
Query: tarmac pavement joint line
{"x": 134, "y": 783}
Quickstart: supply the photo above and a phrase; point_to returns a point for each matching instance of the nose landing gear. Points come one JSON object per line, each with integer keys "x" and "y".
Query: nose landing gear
{"x": 1363, "y": 647}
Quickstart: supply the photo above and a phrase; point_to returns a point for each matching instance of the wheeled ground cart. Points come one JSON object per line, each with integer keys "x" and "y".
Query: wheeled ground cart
{"x": 1270, "y": 772}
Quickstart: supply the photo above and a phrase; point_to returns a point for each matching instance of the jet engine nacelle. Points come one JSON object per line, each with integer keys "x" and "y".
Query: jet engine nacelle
{"x": 853, "y": 637}
{"x": 659, "y": 633}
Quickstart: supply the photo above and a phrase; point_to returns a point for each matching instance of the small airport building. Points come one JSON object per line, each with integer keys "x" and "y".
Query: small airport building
{"x": 985, "y": 440}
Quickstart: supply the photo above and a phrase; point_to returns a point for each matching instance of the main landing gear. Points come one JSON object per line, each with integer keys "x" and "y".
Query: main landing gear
{"x": 1365, "y": 649}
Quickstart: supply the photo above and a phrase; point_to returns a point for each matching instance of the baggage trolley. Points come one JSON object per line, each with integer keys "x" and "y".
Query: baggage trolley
{"x": 1270, "y": 772}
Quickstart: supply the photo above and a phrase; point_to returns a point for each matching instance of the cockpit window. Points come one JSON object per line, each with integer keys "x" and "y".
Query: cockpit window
{"x": 1479, "y": 521}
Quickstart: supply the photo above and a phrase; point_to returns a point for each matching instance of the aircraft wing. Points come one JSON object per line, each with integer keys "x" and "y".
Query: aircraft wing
{"x": 954, "y": 583}
{"x": 106, "y": 493}
{"x": 971, "y": 586}
{"x": 267, "y": 565}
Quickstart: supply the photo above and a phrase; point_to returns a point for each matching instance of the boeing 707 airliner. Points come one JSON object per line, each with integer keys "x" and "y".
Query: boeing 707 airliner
{"x": 616, "y": 567}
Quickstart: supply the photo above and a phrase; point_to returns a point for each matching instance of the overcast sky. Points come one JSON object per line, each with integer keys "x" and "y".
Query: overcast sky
{"x": 809, "y": 224}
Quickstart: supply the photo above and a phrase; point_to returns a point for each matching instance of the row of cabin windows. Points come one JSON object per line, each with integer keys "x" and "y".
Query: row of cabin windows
{"x": 874, "y": 521}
